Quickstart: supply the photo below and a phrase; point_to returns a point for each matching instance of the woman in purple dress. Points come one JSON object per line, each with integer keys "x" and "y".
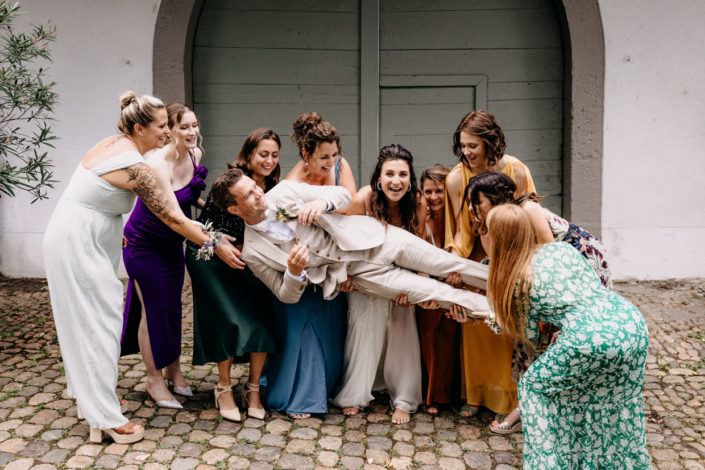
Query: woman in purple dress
{"x": 154, "y": 259}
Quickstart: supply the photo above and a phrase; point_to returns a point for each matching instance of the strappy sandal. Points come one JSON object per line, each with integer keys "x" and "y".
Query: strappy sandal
{"x": 258, "y": 413}
{"x": 232, "y": 415}
{"x": 469, "y": 408}
{"x": 97, "y": 435}
{"x": 425, "y": 409}
{"x": 505, "y": 428}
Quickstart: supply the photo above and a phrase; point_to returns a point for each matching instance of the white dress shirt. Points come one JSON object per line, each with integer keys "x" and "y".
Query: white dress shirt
{"x": 275, "y": 228}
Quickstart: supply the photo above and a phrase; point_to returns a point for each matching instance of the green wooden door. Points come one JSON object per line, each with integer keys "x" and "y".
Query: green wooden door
{"x": 504, "y": 56}
{"x": 261, "y": 63}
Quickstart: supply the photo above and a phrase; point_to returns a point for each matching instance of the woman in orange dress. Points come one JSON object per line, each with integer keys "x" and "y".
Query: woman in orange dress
{"x": 439, "y": 336}
{"x": 486, "y": 358}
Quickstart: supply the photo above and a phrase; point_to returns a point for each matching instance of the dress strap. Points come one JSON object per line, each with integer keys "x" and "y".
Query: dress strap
{"x": 193, "y": 157}
{"x": 429, "y": 235}
{"x": 337, "y": 170}
{"x": 118, "y": 162}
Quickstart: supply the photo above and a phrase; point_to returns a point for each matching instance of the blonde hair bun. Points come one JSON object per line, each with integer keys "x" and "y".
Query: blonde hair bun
{"x": 136, "y": 110}
{"x": 126, "y": 98}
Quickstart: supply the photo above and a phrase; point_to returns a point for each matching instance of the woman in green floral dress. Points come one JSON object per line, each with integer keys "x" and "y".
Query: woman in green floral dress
{"x": 581, "y": 401}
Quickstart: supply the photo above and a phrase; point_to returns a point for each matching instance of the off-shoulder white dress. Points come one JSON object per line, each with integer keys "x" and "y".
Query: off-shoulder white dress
{"x": 82, "y": 247}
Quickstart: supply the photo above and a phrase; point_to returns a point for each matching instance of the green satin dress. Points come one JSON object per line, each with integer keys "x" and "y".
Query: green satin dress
{"x": 232, "y": 309}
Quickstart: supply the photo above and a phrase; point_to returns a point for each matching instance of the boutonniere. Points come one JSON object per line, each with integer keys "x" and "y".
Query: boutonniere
{"x": 282, "y": 213}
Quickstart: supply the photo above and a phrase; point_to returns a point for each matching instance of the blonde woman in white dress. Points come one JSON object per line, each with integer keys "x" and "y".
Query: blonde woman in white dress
{"x": 82, "y": 250}
{"x": 382, "y": 349}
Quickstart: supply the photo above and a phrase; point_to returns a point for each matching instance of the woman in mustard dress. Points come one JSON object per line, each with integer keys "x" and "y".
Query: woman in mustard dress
{"x": 486, "y": 358}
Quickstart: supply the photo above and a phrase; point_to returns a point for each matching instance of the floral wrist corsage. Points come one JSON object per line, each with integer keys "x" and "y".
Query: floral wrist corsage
{"x": 214, "y": 241}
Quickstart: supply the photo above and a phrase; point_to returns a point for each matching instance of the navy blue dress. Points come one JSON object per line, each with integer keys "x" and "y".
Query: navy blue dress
{"x": 311, "y": 337}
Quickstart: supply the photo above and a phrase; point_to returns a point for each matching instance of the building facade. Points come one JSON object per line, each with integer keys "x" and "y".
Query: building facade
{"x": 600, "y": 98}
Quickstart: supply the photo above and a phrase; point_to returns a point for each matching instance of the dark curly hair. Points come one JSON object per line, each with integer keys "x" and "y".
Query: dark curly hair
{"x": 409, "y": 203}
{"x": 310, "y": 131}
{"x": 498, "y": 188}
{"x": 483, "y": 125}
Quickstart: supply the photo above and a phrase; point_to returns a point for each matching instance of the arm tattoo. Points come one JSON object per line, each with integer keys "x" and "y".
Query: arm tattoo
{"x": 115, "y": 141}
{"x": 147, "y": 188}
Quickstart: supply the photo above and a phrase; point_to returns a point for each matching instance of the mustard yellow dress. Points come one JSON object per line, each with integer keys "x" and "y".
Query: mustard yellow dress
{"x": 485, "y": 358}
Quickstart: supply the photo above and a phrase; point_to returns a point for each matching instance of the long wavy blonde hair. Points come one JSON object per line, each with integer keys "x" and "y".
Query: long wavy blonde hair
{"x": 513, "y": 241}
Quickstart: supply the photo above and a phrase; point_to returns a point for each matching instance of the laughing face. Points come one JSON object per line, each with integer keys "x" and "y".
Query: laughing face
{"x": 187, "y": 131}
{"x": 434, "y": 193}
{"x": 265, "y": 159}
{"x": 323, "y": 159}
{"x": 395, "y": 179}
{"x": 156, "y": 134}
{"x": 251, "y": 203}
{"x": 473, "y": 147}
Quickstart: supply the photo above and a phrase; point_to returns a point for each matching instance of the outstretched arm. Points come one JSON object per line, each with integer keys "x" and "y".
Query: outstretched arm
{"x": 140, "y": 180}
{"x": 292, "y": 196}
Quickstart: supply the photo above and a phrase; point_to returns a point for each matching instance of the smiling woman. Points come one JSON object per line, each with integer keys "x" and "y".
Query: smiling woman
{"x": 319, "y": 146}
{"x": 479, "y": 144}
{"x": 82, "y": 251}
{"x": 382, "y": 347}
{"x": 232, "y": 309}
{"x": 152, "y": 322}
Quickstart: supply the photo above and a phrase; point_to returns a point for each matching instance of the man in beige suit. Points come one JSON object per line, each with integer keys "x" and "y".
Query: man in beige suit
{"x": 292, "y": 239}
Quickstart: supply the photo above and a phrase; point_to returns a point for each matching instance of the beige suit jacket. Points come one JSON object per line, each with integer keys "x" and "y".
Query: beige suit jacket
{"x": 334, "y": 240}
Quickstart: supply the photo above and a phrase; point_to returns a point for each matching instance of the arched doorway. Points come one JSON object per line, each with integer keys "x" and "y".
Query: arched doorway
{"x": 261, "y": 63}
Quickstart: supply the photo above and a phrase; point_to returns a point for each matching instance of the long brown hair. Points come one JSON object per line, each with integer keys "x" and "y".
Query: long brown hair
{"x": 409, "y": 203}
{"x": 242, "y": 161}
{"x": 513, "y": 241}
{"x": 499, "y": 189}
{"x": 483, "y": 125}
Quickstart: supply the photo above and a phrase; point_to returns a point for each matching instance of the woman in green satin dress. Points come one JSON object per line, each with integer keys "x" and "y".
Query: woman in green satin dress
{"x": 232, "y": 312}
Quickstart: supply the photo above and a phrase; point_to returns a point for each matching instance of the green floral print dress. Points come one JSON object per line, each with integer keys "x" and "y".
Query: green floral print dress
{"x": 581, "y": 401}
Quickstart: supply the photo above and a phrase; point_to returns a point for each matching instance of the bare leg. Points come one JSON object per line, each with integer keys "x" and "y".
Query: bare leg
{"x": 155, "y": 380}
{"x": 173, "y": 373}
{"x": 226, "y": 400}
{"x": 256, "y": 365}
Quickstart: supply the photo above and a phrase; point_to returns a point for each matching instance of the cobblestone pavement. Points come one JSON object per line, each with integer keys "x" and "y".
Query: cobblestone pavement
{"x": 39, "y": 428}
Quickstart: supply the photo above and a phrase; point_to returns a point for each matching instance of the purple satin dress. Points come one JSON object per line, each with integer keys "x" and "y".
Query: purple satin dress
{"x": 154, "y": 258}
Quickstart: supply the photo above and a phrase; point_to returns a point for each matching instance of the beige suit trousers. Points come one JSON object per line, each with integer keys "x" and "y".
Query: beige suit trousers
{"x": 387, "y": 272}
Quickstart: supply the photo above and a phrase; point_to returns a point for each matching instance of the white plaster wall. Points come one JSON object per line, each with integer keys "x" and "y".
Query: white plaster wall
{"x": 104, "y": 47}
{"x": 653, "y": 216}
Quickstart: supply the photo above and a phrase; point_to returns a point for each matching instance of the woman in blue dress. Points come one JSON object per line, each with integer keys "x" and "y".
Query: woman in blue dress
{"x": 311, "y": 333}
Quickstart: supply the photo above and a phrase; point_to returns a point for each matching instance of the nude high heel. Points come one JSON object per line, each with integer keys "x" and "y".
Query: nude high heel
{"x": 232, "y": 415}
{"x": 97, "y": 436}
{"x": 258, "y": 413}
